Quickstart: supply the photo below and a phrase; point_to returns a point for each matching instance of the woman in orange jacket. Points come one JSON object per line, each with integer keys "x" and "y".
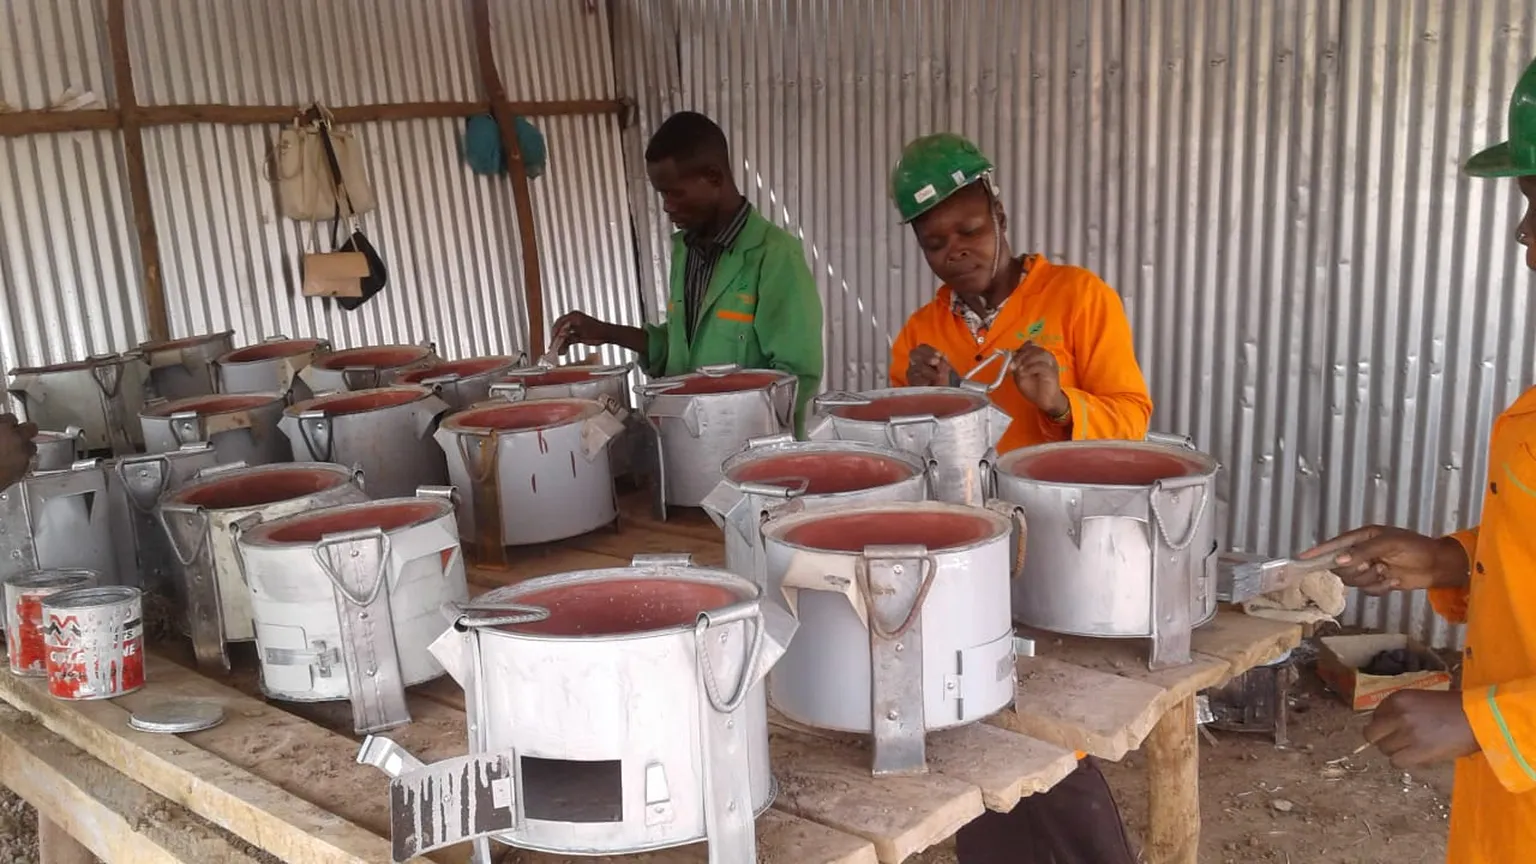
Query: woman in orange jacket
{"x": 1074, "y": 368}
{"x": 1074, "y": 376}
{"x": 1483, "y": 576}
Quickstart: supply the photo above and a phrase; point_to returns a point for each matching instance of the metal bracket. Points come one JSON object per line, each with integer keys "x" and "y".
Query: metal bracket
{"x": 144, "y": 480}
{"x": 360, "y": 377}
{"x": 894, "y": 582}
{"x": 322, "y": 659}
{"x": 451, "y": 802}
{"x": 728, "y": 816}
{"x": 387, "y": 756}
{"x": 188, "y": 529}
{"x": 315, "y": 429}
{"x": 659, "y": 492}
{"x": 663, "y": 559}
{"x": 357, "y": 563}
{"x": 1174, "y": 576}
{"x": 108, "y": 372}
{"x": 510, "y": 391}
{"x": 188, "y": 427}
{"x": 912, "y": 434}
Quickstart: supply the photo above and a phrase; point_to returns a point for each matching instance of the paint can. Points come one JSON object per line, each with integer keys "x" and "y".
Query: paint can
{"x": 95, "y": 642}
{"x": 24, "y": 593}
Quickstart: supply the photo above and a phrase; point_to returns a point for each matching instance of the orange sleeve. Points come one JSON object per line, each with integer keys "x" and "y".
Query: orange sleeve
{"x": 901, "y": 350}
{"x": 1111, "y": 399}
{"x": 1451, "y": 603}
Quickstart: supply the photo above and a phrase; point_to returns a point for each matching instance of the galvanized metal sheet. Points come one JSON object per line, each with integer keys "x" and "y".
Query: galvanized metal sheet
{"x": 1319, "y": 297}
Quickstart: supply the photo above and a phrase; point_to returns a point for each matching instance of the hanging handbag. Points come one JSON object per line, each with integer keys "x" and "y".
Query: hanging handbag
{"x": 357, "y": 244}
{"x": 306, "y": 189}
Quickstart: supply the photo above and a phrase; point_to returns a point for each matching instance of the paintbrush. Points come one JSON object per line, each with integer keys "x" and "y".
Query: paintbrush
{"x": 1242, "y": 577}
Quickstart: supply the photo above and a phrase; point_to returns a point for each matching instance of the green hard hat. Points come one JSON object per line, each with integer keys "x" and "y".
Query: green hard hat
{"x": 931, "y": 169}
{"x": 1517, "y": 156}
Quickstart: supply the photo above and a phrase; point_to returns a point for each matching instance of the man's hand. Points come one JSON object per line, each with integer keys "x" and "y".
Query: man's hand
{"x": 1422, "y": 727}
{"x": 1378, "y": 560}
{"x": 1038, "y": 377}
{"x": 928, "y": 368}
{"x": 579, "y": 328}
{"x": 16, "y": 449}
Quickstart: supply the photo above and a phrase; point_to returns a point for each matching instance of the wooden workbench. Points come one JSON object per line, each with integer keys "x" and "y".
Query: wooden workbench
{"x": 284, "y": 778}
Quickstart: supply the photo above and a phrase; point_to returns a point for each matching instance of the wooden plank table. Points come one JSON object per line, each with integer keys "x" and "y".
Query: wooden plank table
{"x": 283, "y": 777}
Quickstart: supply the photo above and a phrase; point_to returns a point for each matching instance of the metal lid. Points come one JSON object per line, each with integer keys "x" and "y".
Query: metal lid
{"x": 177, "y": 717}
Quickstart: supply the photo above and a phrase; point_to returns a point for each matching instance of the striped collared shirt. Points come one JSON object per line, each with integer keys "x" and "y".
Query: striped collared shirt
{"x": 703, "y": 254}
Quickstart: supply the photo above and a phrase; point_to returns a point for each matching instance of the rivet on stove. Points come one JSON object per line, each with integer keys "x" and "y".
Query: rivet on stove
{"x": 900, "y": 647}
{"x": 892, "y": 716}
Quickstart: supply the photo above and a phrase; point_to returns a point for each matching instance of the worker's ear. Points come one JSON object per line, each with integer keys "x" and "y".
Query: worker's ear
{"x": 1001, "y": 215}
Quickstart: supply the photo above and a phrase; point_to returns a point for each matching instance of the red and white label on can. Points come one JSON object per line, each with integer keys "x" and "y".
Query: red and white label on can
{"x": 26, "y": 652}
{"x": 95, "y": 652}
{"x": 25, "y": 637}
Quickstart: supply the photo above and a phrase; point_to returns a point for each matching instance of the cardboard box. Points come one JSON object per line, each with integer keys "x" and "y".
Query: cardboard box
{"x": 1340, "y": 658}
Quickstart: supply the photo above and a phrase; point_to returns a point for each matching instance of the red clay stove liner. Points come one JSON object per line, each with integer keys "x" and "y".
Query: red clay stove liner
{"x": 940, "y": 405}
{"x": 1102, "y": 466}
{"x": 735, "y": 382}
{"x": 271, "y": 351}
{"x": 372, "y": 358}
{"x": 261, "y": 489}
{"x": 311, "y": 527}
{"x": 206, "y": 405}
{"x": 618, "y": 607}
{"x": 461, "y": 368}
{"x": 853, "y": 532}
{"x": 520, "y": 416}
{"x": 827, "y": 473}
{"x": 363, "y": 400}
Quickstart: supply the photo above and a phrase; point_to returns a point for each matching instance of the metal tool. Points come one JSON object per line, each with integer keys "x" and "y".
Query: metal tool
{"x": 1241, "y": 577}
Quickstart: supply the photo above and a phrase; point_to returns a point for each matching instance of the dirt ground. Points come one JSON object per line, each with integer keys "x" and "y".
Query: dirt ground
{"x": 1309, "y": 803}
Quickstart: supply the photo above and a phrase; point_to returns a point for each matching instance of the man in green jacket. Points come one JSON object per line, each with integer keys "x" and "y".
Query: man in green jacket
{"x": 740, "y": 290}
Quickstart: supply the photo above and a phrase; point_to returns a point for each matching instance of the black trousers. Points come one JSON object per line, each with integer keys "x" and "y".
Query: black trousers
{"x": 1076, "y": 822}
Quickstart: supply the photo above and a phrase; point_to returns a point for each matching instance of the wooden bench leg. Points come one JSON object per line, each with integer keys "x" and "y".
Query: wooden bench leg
{"x": 55, "y": 846}
{"x": 1173, "y": 774}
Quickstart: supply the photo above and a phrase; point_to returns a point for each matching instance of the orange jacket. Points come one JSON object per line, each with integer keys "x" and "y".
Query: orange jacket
{"x": 1066, "y": 310}
{"x": 1493, "y": 807}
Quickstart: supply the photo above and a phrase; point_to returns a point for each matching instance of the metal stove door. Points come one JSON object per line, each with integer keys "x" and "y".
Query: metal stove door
{"x": 451, "y": 802}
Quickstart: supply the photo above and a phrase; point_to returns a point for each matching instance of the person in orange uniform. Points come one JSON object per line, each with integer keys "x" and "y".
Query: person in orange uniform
{"x": 1074, "y": 371}
{"x": 1482, "y": 576}
{"x": 1073, "y": 376}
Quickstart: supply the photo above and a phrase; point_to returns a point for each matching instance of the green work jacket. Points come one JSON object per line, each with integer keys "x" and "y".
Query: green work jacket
{"x": 762, "y": 311}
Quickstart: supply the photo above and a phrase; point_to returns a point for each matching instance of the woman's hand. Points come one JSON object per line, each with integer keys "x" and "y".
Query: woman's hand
{"x": 1038, "y": 377}
{"x": 928, "y": 368}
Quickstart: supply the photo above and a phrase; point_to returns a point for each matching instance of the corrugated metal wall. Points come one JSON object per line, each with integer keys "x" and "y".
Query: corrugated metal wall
{"x": 448, "y": 237}
{"x": 1319, "y": 297}
{"x": 68, "y": 258}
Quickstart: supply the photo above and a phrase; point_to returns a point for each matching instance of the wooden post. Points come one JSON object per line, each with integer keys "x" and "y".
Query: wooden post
{"x": 55, "y": 846}
{"x": 1173, "y": 764}
{"x": 521, "y": 197}
{"x": 155, "y": 314}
